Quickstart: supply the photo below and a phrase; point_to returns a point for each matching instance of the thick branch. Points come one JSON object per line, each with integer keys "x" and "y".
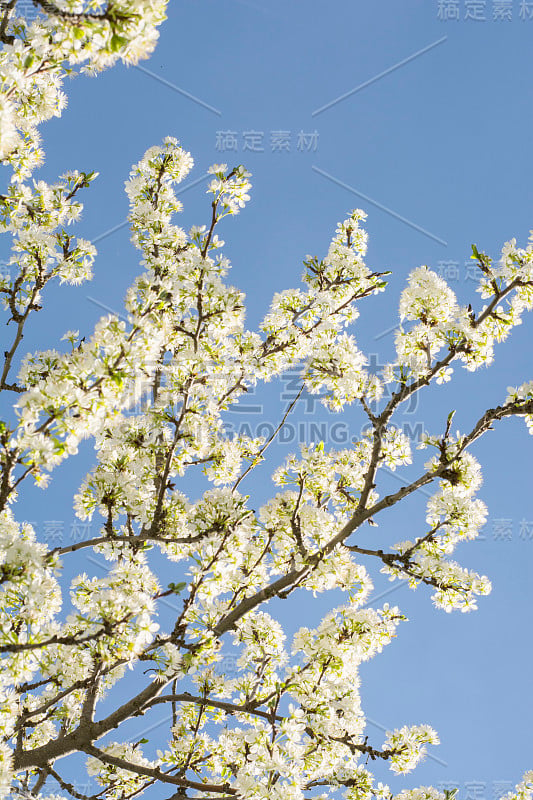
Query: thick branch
{"x": 151, "y": 772}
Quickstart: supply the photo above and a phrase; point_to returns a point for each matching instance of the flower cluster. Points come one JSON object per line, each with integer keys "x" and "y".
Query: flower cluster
{"x": 453, "y": 516}
{"x": 524, "y": 394}
{"x": 32, "y": 63}
{"x": 523, "y": 790}
{"x": 441, "y": 323}
{"x": 27, "y": 574}
{"x": 410, "y": 743}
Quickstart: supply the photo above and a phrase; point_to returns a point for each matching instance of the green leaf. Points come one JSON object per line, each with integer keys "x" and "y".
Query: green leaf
{"x": 117, "y": 43}
{"x": 177, "y": 587}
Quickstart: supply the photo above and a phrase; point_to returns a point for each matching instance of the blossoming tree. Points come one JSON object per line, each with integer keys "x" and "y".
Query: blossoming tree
{"x": 288, "y": 723}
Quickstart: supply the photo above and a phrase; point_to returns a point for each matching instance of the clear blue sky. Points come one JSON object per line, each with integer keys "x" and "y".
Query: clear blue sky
{"x": 440, "y": 147}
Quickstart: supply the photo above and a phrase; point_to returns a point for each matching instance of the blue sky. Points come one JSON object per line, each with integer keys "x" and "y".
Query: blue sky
{"x": 433, "y": 141}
